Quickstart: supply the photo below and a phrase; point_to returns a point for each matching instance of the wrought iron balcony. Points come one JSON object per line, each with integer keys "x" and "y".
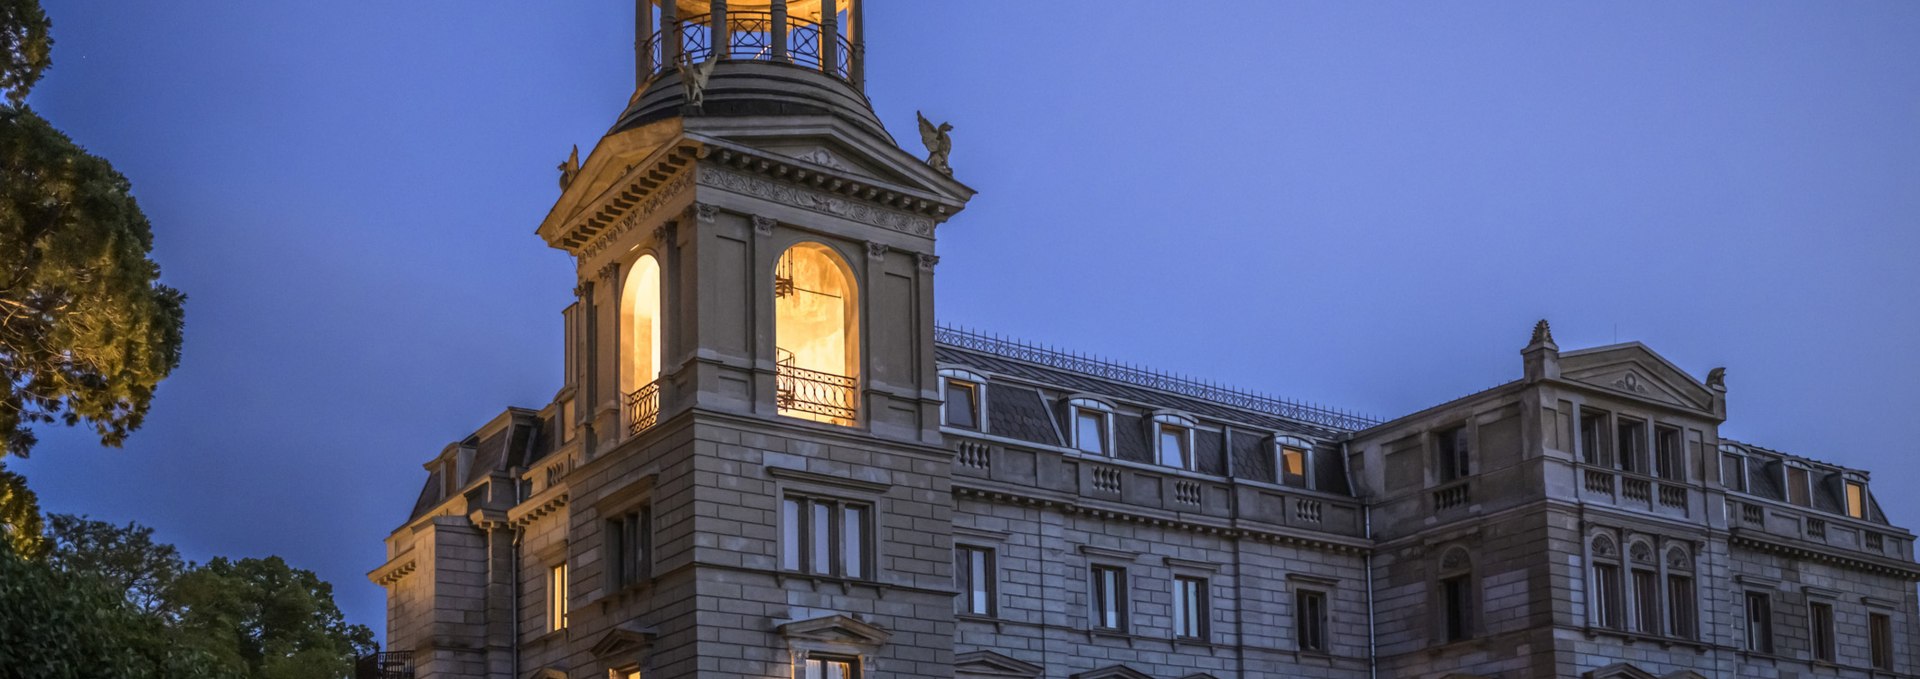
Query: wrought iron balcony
{"x": 643, "y": 408}
{"x": 751, "y": 36}
{"x": 811, "y": 392}
{"x": 387, "y": 665}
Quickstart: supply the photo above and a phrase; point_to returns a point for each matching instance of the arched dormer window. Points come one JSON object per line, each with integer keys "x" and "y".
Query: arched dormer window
{"x": 963, "y": 399}
{"x": 1855, "y": 487}
{"x": 1090, "y": 425}
{"x": 1293, "y": 457}
{"x": 1604, "y": 594}
{"x": 1733, "y": 468}
{"x": 1798, "y": 482}
{"x": 1173, "y": 440}
{"x": 816, "y": 322}
{"x": 640, "y": 342}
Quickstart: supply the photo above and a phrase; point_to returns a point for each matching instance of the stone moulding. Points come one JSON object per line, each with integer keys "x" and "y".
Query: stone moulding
{"x": 1227, "y": 531}
{"x": 679, "y": 184}
{"x": 1742, "y": 538}
{"x": 816, "y": 201}
{"x": 394, "y": 572}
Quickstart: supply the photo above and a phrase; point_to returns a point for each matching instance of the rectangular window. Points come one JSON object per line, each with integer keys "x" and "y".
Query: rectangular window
{"x": 1856, "y": 500}
{"x": 962, "y": 407}
{"x": 1669, "y": 462}
{"x": 1593, "y": 438}
{"x": 1451, "y": 448}
{"x": 626, "y": 673}
{"x": 1646, "y": 601}
{"x": 1173, "y": 446}
{"x": 1799, "y": 491}
{"x": 1293, "y": 467}
{"x": 827, "y": 667}
{"x": 825, "y": 536}
{"x": 1607, "y": 601}
{"x": 557, "y": 597}
{"x": 1681, "y": 615}
{"x": 1733, "y": 472}
{"x": 1759, "y": 622}
{"x": 1820, "y": 628}
{"x": 1110, "y": 598}
{"x": 1191, "y": 608}
{"x": 976, "y": 579}
{"x": 1457, "y": 603}
{"x": 1632, "y": 442}
{"x": 629, "y": 539}
{"x": 1310, "y": 620}
{"x": 1880, "y": 640}
{"x": 1090, "y": 431}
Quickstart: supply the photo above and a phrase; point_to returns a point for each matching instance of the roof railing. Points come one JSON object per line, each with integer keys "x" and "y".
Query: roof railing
{"x": 1021, "y": 350}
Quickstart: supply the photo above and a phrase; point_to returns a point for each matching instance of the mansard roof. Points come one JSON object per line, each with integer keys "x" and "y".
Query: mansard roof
{"x": 517, "y": 437}
{"x": 1765, "y": 471}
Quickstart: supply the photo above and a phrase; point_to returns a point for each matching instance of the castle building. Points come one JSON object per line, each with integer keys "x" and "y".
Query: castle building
{"x": 767, "y": 460}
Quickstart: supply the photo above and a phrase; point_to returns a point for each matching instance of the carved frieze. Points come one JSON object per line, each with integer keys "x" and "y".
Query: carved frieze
{"x": 670, "y": 190}
{"x": 816, "y": 201}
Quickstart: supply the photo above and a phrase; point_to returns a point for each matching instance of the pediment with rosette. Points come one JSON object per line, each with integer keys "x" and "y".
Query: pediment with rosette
{"x": 1619, "y": 671}
{"x": 1634, "y": 371}
{"x": 983, "y": 664}
{"x": 1113, "y": 672}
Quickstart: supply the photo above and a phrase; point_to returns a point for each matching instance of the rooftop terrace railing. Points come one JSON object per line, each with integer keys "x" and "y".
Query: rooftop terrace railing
{"x": 750, "y": 36}
{"x": 1185, "y": 386}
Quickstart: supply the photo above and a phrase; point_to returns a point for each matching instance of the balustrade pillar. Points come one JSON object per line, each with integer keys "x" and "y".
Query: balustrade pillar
{"x": 829, "y": 36}
{"x": 777, "y": 33}
{"x": 642, "y": 41}
{"x": 719, "y": 34}
{"x": 669, "y": 34}
{"x": 857, "y": 68}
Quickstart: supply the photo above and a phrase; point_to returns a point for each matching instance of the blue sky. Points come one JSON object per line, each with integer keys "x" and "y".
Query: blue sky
{"x": 1365, "y": 205}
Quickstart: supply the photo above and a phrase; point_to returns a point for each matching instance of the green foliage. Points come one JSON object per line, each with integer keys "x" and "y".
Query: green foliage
{"x": 126, "y": 558}
{"x": 86, "y": 329}
{"x": 57, "y": 625}
{"x": 19, "y": 516}
{"x": 26, "y": 47}
{"x": 267, "y": 619}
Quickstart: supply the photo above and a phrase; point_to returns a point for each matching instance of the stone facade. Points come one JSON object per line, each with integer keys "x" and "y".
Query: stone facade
{"x": 947, "y": 504}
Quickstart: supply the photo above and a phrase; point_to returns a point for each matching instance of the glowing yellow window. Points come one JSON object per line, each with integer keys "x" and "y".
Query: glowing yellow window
{"x": 640, "y": 343}
{"x": 1856, "y": 500}
{"x": 816, "y": 338}
{"x": 1293, "y": 466}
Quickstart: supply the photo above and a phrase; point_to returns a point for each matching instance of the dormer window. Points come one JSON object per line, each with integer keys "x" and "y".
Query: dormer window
{"x": 1799, "y": 485}
{"x": 1856, "y": 498}
{"x": 1733, "y": 469}
{"x": 1173, "y": 440}
{"x": 1092, "y": 425}
{"x": 1295, "y": 459}
{"x": 963, "y": 399}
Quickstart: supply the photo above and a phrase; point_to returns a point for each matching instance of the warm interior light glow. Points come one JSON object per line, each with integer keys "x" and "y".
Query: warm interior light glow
{"x": 815, "y": 321}
{"x": 640, "y": 325}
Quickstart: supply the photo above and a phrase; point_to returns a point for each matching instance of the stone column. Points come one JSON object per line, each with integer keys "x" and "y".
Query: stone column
{"x": 669, "y": 34}
{"x": 777, "y": 33}
{"x": 829, "y": 37}
{"x": 858, "y": 60}
{"x": 720, "y": 35}
{"x": 642, "y": 37}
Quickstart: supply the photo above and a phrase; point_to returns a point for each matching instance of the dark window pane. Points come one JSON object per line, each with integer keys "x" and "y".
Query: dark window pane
{"x": 791, "y": 547}
{"x": 822, "y": 536}
{"x": 1680, "y": 605}
{"x": 1880, "y": 638}
{"x": 962, "y": 405}
{"x": 853, "y": 541}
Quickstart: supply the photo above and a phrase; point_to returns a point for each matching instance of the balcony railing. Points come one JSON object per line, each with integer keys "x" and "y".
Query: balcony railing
{"x": 750, "y": 36}
{"x": 816, "y": 393}
{"x": 643, "y": 408}
{"x": 387, "y": 665}
{"x": 1449, "y": 497}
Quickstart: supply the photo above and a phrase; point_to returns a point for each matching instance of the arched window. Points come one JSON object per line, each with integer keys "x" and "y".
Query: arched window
{"x": 816, "y": 322}
{"x": 1682, "y": 616}
{"x": 640, "y": 342}
{"x": 1455, "y": 596}
{"x": 1604, "y": 594}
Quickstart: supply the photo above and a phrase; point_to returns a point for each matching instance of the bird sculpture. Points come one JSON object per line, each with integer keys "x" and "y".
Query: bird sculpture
{"x": 939, "y": 143}
{"x": 570, "y": 168}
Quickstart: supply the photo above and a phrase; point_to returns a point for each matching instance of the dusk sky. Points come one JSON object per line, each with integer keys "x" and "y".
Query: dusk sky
{"x": 1361, "y": 205}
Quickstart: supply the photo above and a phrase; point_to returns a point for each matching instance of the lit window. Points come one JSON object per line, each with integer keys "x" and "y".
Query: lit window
{"x": 1293, "y": 467}
{"x": 640, "y": 325}
{"x": 1820, "y": 624}
{"x": 1452, "y": 453}
{"x": 962, "y": 405}
{"x": 557, "y": 597}
{"x": 1310, "y": 620}
{"x": 628, "y": 672}
{"x": 1190, "y": 608}
{"x": 629, "y": 540}
{"x": 816, "y": 336}
{"x": 1174, "y": 442}
{"x": 1759, "y": 622}
{"x": 974, "y": 573}
{"x": 827, "y": 667}
{"x": 1091, "y": 420}
{"x": 1110, "y": 598}
{"x": 1880, "y": 640}
{"x": 1856, "y": 500}
{"x": 823, "y": 536}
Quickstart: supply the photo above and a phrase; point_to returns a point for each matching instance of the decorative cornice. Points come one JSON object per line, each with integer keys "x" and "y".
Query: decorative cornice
{"x": 1191, "y": 564}
{"x": 816, "y": 201}
{"x": 1067, "y": 507}
{"x": 395, "y": 572}
{"x": 826, "y": 479}
{"x": 681, "y": 182}
{"x": 1115, "y": 554}
{"x": 531, "y": 514}
{"x": 1744, "y": 538}
{"x": 782, "y": 168}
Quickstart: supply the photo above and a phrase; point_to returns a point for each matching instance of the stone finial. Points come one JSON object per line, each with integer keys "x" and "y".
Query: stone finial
{"x": 1717, "y": 379}
{"x": 1542, "y": 356}
{"x": 1542, "y": 333}
{"x": 570, "y": 168}
{"x": 693, "y": 77}
{"x": 939, "y": 143}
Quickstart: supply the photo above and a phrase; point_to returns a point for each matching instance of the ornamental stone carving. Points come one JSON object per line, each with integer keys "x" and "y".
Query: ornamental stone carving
{"x": 706, "y": 212}
{"x": 927, "y": 261}
{"x": 764, "y": 225}
{"x": 816, "y": 201}
{"x": 642, "y": 212}
{"x": 877, "y": 251}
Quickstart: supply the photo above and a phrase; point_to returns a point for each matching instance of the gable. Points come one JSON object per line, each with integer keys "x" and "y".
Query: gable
{"x": 1113, "y": 672}
{"x": 991, "y": 664}
{"x": 1619, "y": 671}
{"x": 837, "y": 629}
{"x": 1634, "y": 371}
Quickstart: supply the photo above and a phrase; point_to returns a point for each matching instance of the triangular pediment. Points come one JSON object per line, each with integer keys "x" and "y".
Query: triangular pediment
{"x": 836, "y": 629}
{"x": 1199, "y": 675}
{"x": 1619, "y": 671}
{"x": 547, "y": 673}
{"x": 622, "y": 640}
{"x": 991, "y": 664}
{"x": 1634, "y": 371}
{"x": 1113, "y": 672}
{"x": 836, "y": 147}
{"x": 1684, "y": 674}
{"x": 1462, "y": 675}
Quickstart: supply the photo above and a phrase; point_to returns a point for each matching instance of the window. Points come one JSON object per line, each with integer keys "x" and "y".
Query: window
{"x": 1451, "y": 448}
{"x": 1820, "y": 628}
{"x": 628, "y": 672}
{"x": 974, "y": 573}
{"x": 962, "y": 405}
{"x": 1646, "y": 601}
{"x": 1174, "y": 443}
{"x": 1682, "y": 617}
{"x": 557, "y": 597}
{"x": 1733, "y": 471}
{"x": 1856, "y": 500}
{"x": 1191, "y": 608}
{"x": 816, "y": 335}
{"x": 1090, "y": 426}
{"x": 1293, "y": 467}
{"x": 824, "y": 536}
{"x": 1455, "y": 594}
{"x": 1669, "y": 462}
{"x": 1604, "y": 591}
{"x": 1310, "y": 620}
{"x": 1593, "y": 438}
{"x": 640, "y": 325}
{"x": 1110, "y": 598}
{"x": 827, "y": 667}
{"x": 1759, "y": 622}
{"x": 629, "y": 540}
{"x": 1880, "y": 640}
{"x": 1799, "y": 486}
{"x": 1632, "y": 441}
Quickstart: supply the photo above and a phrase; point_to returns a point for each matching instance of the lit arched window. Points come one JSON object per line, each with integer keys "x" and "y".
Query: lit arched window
{"x": 816, "y": 322}
{"x": 640, "y": 342}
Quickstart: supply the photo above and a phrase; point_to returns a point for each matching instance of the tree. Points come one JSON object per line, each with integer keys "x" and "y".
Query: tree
{"x": 19, "y": 516}
{"x": 267, "y": 620}
{"x": 59, "y": 625}
{"x": 126, "y": 558}
{"x": 87, "y": 331}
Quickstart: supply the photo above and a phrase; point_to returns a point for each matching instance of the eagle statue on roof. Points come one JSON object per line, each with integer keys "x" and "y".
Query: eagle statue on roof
{"x": 938, "y": 142}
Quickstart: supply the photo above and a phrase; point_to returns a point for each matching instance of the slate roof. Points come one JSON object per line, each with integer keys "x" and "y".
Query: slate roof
{"x": 1766, "y": 469}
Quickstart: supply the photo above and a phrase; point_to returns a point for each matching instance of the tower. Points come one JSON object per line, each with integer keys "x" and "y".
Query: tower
{"x": 754, "y": 483}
